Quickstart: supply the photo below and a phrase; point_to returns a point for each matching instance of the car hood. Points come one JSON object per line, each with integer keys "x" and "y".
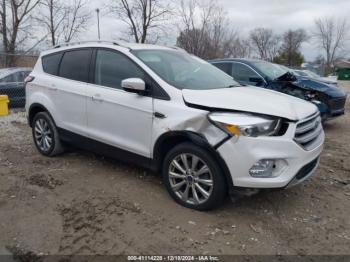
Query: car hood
{"x": 324, "y": 80}
{"x": 328, "y": 80}
{"x": 328, "y": 89}
{"x": 251, "y": 99}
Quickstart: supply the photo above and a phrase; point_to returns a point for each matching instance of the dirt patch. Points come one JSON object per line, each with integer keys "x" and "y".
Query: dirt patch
{"x": 46, "y": 181}
{"x": 22, "y": 255}
{"x": 88, "y": 225}
{"x": 19, "y": 124}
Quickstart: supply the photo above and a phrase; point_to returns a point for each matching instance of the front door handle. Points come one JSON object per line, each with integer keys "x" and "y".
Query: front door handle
{"x": 159, "y": 115}
{"x": 97, "y": 98}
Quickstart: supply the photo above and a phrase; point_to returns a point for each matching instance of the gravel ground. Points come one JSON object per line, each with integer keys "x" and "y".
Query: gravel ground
{"x": 81, "y": 203}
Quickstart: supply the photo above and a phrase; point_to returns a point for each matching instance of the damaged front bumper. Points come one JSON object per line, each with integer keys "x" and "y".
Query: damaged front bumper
{"x": 295, "y": 163}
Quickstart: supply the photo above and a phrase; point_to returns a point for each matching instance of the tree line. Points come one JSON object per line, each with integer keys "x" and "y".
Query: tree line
{"x": 206, "y": 32}
{"x": 204, "y": 29}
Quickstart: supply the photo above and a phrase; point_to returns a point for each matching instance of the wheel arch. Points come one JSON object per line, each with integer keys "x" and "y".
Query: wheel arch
{"x": 35, "y": 109}
{"x": 170, "y": 139}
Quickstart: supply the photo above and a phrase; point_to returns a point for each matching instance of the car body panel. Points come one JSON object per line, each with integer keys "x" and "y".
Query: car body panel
{"x": 251, "y": 99}
{"x": 120, "y": 118}
{"x": 178, "y": 117}
{"x": 309, "y": 84}
{"x": 306, "y": 74}
{"x": 248, "y": 151}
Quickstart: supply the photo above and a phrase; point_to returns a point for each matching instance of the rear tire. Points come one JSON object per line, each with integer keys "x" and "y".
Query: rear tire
{"x": 45, "y": 135}
{"x": 193, "y": 178}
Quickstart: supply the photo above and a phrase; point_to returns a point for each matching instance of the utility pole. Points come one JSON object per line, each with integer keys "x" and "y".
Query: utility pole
{"x": 98, "y": 23}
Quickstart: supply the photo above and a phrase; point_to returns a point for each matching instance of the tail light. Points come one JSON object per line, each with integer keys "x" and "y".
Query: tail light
{"x": 29, "y": 79}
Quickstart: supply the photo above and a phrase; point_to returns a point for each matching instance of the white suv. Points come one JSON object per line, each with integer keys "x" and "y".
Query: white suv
{"x": 172, "y": 112}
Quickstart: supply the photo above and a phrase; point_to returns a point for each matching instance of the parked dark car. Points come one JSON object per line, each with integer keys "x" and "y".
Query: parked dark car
{"x": 12, "y": 84}
{"x": 329, "y": 99}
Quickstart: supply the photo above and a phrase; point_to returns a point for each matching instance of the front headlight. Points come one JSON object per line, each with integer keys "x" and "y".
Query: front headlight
{"x": 238, "y": 124}
{"x": 310, "y": 95}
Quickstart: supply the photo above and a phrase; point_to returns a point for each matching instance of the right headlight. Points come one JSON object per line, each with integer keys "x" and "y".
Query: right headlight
{"x": 238, "y": 124}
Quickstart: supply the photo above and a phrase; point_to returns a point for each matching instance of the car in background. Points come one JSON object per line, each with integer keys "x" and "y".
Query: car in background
{"x": 311, "y": 75}
{"x": 12, "y": 84}
{"x": 329, "y": 99}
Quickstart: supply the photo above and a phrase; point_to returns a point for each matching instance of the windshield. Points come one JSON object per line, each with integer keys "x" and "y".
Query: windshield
{"x": 312, "y": 74}
{"x": 272, "y": 71}
{"x": 185, "y": 71}
{"x": 300, "y": 73}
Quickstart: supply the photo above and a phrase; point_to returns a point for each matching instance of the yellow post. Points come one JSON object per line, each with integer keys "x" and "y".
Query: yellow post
{"x": 4, "y": 108}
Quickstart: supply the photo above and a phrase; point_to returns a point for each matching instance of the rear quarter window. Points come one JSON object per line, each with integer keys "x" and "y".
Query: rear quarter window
{"x": 51, "y": 63}
{"x": 75, "y": 65}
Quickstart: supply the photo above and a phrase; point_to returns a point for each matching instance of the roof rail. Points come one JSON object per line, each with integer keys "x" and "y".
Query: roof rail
{"x": 90, "y": 41}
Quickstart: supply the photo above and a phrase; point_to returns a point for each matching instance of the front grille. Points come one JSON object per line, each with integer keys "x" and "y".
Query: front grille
{"x": 308, "y": 131}
{"x": 337, "y": 104}
{"x": 306, "y": 170}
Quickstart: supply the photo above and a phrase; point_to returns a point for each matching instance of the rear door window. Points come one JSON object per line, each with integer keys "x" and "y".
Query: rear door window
{"x": 51, "y": 63}
{"x": 75, "y": 65}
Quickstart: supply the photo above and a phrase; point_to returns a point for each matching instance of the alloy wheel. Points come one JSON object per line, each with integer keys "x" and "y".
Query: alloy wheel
{"x": 43, "y": 135}
{"x": 190, "y": 179}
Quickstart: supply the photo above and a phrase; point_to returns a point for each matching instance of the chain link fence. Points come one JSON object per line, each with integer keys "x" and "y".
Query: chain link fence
{"x": 17, "y": 60}
{"x": 13, "y": 70}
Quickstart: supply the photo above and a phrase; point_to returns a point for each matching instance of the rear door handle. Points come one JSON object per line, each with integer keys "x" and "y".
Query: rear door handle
{"x": 97, "y": 98}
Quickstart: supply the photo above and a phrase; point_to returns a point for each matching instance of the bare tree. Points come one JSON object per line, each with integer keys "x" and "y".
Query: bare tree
{"x": 3, "y": 28}
{"x": 63, "y": 20}
{"x": 205, "y": 31}
{"x": 193, "y": 36}
{"x": 51, "y": 18}
{"x": 217, "y": 28}
{"x": 291, "y": 44}
{"x": 202, "y": 29}
{"x": 76, "y": 19}
{"x": 332, "y": 36}
{"x": 265, "y": 42}
{"x": 15, "y": 15}
{"x": 194, "y": 41}
{"x": 237, "y": 48}
{"x": 142, "y": 17}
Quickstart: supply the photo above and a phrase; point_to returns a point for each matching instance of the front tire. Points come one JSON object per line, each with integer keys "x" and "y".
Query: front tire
{"x": 193, "y": 178}
{"x": 45, "y": 135}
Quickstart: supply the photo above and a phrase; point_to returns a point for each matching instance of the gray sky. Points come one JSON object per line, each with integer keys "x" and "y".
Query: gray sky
{"x": 245, "y": 15}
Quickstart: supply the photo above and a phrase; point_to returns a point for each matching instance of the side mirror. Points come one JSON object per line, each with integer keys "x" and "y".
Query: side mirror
{"x": 134, "y": 85}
